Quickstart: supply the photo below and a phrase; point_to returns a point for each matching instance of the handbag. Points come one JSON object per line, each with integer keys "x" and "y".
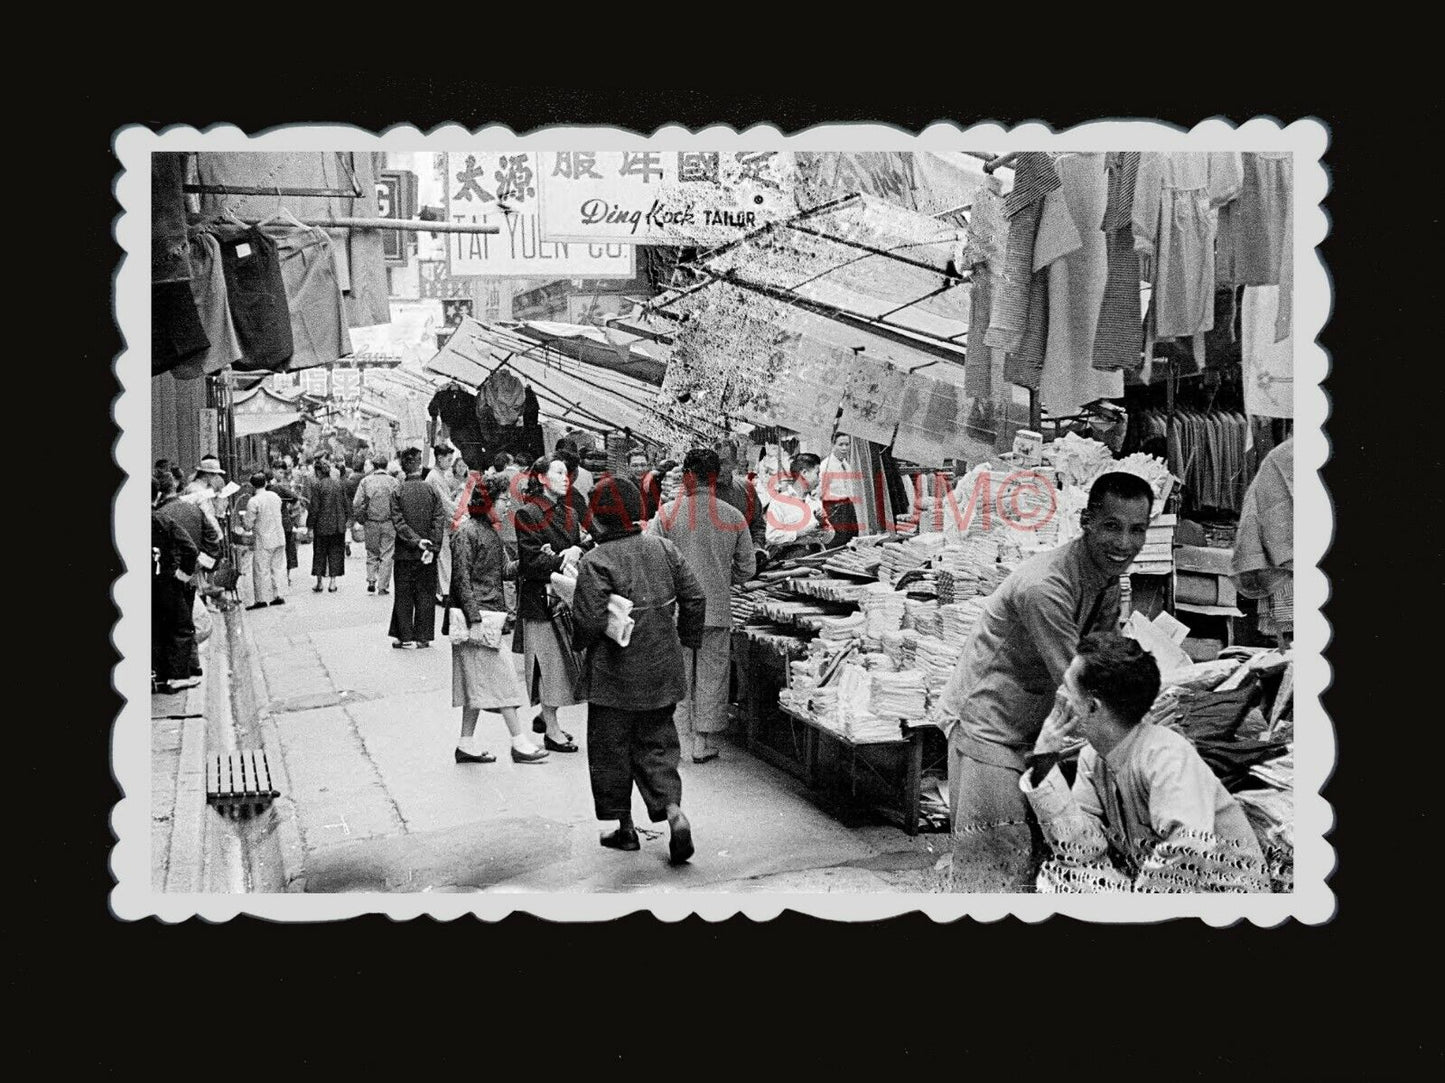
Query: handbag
{"x": 358, "y": 531}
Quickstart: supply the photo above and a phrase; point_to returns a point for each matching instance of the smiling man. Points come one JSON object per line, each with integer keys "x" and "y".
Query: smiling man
{"x": 1012, "y": 665}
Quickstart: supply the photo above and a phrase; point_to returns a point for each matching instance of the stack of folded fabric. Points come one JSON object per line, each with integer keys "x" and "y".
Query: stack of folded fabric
{"x": 955, "y": 622}
{"x": 1077, "y": 457}
{"x": 874, "y": 660}
{"x": 883, "y": 608}
{"x": 787, "y": 610}
{"x": 936, "y": 659}
{"x": 921, "y": 615}
{"x": 831, "y": 590}
{"x": 899, "y": 695}
{"x": 917, "y": 552}
{"x": 854, "y": 562}
{"x": 848, "y": 627}
{"x": 901, "y": 647}
{"x": 742, "y": 605}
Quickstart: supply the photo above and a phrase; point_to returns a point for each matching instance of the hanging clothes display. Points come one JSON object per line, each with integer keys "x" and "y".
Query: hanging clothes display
{"x": 177, "y": 336}
{"x": 985, "y": 251}
{"x": 1020, "y": 308}
{"x": 213, "y": 307}
{"x": 1206, "y": 452}
{"x": 1070, "y": 246}
{"x": 1119, "y": 340}
{"x": 1253, "y": 229}
{"x": 1268, "y": 365}
{"x": 500, "y": 399}
{"x": 257, "y": 296}
{"x": 530, "y": 408}
{"x": 1176, "y": 213}
{"x": 319, "y": 330}
{"x": 359, "y": 254}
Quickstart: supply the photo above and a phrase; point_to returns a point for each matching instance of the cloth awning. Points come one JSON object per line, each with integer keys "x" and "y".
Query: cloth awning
{"x": 606, "y": 347}
{"x": 251, "y": 424}
{"x": 569, "y": 391}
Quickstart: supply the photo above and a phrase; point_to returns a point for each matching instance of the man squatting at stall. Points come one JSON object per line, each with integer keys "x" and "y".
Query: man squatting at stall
{"x": 1012, "y": 665}
{"x": 1145, "y": 812}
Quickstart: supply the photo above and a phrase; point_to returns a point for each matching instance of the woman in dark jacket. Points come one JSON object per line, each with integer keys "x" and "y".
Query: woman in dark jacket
{"x": 483, "y": 678}
{"x": 631, "y": 691}
{"x": 549, "y": 538}
{"x": 328, "y": 514}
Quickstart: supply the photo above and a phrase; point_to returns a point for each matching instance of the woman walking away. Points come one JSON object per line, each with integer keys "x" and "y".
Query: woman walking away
{"x": 549, "y": 539}
{"x": 328, "y": 513}
{"x": 631, "y": 691}
{"x": 483, "y": 678}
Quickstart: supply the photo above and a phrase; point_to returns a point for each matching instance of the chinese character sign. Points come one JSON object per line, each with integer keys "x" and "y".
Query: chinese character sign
{"x": 663, "y": 197}
{"x": 503, "y": 190}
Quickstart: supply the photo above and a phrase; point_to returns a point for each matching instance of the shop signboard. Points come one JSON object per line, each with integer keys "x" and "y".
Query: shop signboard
{"x": 210, "y": 438}
{"x": 502, "y": 189}
{"x": 396, "y": 198}
{"x": 663, "y": 197}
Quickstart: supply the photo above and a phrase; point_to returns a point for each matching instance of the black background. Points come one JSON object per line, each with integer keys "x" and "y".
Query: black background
{"x": 1173, "y": 1000}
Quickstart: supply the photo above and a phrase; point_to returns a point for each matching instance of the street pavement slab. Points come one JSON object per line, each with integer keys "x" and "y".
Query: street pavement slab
{"x": 368, "y": 733}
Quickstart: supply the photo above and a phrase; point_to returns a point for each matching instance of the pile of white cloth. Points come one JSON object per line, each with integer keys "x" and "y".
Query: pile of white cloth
{"x": 899, "y": 695}
{"x": 883, "y": 609}
{"x": 956, "y": 621}
{"x": 936, "y": 660}
{"x": 832, "y": 590}
{"x": 901, "y": 647}
{"x": 847, "y": 627}
{"x": 921, "y": 615}
{"x": 896, "y": 560}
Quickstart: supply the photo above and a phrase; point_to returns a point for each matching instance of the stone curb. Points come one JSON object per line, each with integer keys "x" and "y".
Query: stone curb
{"x": 278, "y": 856}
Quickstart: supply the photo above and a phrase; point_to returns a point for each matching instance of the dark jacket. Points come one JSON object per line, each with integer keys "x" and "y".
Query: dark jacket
{"x": 669, "y": 608}
{"x": 171, "y": 549}
{"x": 741, "y": 495}
{"x": 479, "y": 565}
{"x": 329, "y": 509}
{"x": 190, "y": 518}
{"x": 416, "y": 513}
{"x": 289, "y": 499}
{"x": 539, "y": 523}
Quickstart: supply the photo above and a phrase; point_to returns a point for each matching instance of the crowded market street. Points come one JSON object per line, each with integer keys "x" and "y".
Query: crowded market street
{"x": 379, "y": 805}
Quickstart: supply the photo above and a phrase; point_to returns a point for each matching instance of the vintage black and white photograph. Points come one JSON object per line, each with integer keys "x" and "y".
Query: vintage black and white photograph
{"x": 860, "y": 522}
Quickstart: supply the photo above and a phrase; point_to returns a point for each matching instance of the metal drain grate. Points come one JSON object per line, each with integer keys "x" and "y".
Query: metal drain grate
{"x": 239, "y": 781}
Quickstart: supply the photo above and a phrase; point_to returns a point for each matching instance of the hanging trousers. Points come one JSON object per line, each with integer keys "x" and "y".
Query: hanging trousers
{"x": 414, "y": 606}
{"x": 626, "y": 747}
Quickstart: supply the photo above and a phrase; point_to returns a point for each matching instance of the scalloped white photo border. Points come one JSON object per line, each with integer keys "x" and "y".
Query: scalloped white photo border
{"x": 1311, "y": 902}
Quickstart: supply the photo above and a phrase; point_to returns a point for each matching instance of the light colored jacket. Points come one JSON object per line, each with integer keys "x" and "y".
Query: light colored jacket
{"x": 264, "y": 517}
{"x": 713, "y": 538}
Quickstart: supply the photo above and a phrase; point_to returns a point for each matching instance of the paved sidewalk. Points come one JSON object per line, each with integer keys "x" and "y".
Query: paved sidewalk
{"x": 367, "y": 734}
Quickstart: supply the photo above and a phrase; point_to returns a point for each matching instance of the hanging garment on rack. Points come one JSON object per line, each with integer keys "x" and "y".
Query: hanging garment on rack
{"x": 1268, "y": 365}
{"x": 359, "y": 254}
{"x": 208, "y": 290}
{"x": 257, "y": 296}
{"x": 500, "y": 399}
{"x": 170, "y": 254}
{"x": 1016, "y": 308}
{"x": 1118, "y": 342}
{"x": 177, "y": 337}
{"x": 1176, "y": 211}
{"x": 985, "y": 254}
{"x": 1253, "y": 229}
{"x": 318, "y": 322}
{"x": 454, "y": 404}
{"x": 1070, "y": 245}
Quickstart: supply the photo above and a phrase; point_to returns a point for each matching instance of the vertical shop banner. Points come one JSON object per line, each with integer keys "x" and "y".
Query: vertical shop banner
{"x": 873, "y": 401}
{"x": 663, "y": 197}
{"x": 209, "y": 433}
{"x": 479, "y": 186}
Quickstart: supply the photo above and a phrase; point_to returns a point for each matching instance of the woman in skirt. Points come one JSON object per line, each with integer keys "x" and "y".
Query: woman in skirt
{"x": 483, "y": 677}
{"x": 328, "y": 514}
{"x": 549, "y": 538}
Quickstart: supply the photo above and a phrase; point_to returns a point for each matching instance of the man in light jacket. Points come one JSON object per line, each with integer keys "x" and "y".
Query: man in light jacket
{"x": 715, "y": 542}
{"x": 265, "y": 519}
{"x": 371, "y": 507}
{"x": 1145, "y": 812}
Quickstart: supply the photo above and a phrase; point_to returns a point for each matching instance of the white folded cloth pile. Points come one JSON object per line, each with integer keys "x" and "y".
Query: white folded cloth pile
{"x": 936, "y": 659}
{"x": 874, "y": 660}
{"x": 883, "y": 609}
{"x": 831, "y": 590}
{"x": 619, "y": 609}
{"x": 921, "y": 616}
{"x": 901, "y": 647}
{"x": 1076, "y": 457}
{"x": 956, "y": 621}
{"x": 895, "y": 560}
{"x": 850, "y": 626}
{"x": 787, "y": 611}
{"x": 899, "y": 695}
